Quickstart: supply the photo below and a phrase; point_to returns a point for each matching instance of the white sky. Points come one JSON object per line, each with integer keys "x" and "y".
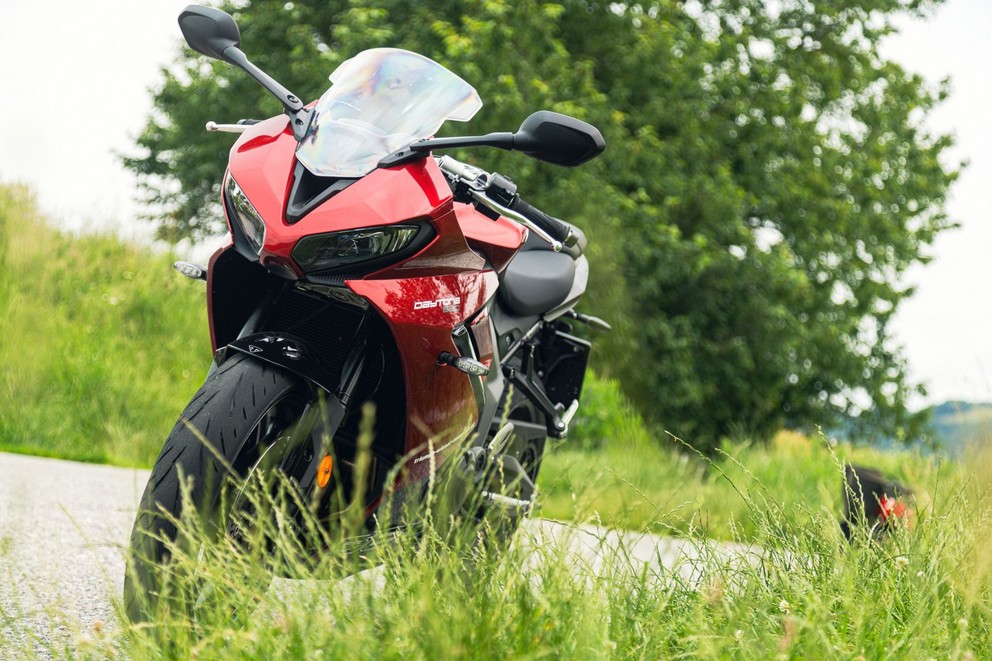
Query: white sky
{"x": 946, "y": 327}
{"x": 75, "y": 78}
{"x": 74, "y": 81}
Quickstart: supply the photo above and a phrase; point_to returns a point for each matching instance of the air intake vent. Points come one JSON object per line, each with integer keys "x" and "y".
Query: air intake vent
{"x": 310, "y": 191}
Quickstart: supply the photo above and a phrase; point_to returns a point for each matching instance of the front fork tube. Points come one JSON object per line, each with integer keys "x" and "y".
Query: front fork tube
{"x": 323, "y": 418}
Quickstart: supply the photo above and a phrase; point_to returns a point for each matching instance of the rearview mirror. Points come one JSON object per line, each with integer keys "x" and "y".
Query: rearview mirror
{"x": 215, "y": 34}
{"x": 209, "y": 31}
{"x": 545, "y": 135}
{"x": 559, "y": 139}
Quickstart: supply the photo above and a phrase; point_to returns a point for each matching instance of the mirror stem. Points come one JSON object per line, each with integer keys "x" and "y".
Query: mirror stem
{"x": 424, "y": 147}
{"x": 499, "y": 140}
{"x": 299, "y": 117}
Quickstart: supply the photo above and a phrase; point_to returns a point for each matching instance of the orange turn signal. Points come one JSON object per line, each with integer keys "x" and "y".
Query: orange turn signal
{"x": 324, "y": 471}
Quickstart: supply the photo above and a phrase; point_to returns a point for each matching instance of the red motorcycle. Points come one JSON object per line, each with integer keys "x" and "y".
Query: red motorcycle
{"x": 363, "y": 269}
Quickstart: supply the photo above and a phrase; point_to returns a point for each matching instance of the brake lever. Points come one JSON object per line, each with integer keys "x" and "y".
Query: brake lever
{"x": 475, "y": 183}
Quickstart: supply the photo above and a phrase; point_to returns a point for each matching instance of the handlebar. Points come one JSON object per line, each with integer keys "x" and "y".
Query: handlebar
{"x": 555, "y": 228}
{"x": 500, "y": 195}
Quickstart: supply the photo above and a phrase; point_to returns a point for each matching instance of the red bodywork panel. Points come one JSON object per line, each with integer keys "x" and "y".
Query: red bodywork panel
{"x": 262, "y": 163}
{"x": 422, "y": 312}
{"x": 498, "y": 239}
{"x": 422, "y": 298}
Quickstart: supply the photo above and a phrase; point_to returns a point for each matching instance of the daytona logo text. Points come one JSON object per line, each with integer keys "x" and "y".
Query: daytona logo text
{"x": 446, "y": 304}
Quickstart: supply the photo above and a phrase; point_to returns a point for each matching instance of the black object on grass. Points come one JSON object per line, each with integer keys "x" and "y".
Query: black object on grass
{"x": 872, "y": 500}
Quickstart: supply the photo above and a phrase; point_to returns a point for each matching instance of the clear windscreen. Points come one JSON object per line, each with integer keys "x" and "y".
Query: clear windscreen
{"x": 380, "y": 101}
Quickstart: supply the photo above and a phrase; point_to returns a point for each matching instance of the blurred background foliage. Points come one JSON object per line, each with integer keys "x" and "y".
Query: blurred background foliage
{"x": 100, "y": 345}
{"x": 768, "y": 178}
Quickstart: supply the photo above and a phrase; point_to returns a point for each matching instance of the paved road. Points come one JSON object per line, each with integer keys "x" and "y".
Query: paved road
{"x": 64, "y": 526}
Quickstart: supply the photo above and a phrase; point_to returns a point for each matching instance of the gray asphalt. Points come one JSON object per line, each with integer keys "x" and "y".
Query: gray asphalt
{"x": 64, "y": 528}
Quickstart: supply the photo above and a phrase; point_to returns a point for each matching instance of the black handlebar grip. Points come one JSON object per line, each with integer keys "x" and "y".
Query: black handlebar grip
{"x": 556, "y": 229}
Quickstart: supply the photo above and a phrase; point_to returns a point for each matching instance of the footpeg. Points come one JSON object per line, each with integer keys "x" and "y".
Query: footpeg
{"x": 509, "y": 485}
{"x": 506, "y": 501}
{"x": 501, "y": 440}
{"x": 560, "y": 422}
{"x": 590, "y": 320}
{"x": 569, "y": 413}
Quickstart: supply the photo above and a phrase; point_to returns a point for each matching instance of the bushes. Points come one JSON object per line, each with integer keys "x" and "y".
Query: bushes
{"x": 605, "y": 416}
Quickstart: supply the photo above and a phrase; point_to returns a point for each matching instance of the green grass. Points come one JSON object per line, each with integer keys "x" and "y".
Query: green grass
{"x": 672, "y": 491}
{"x": 923, "y": 592}
{"x": 639, "y": 480}
{"x": 101, "y": 344}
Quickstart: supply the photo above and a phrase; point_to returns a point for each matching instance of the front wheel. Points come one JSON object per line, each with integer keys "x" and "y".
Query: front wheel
{"x": 243, "y": 409}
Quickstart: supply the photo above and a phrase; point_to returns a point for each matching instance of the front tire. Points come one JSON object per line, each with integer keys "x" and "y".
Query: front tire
{"x": 243, "y": 407}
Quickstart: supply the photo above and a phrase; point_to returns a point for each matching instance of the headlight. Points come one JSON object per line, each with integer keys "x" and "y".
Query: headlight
{"x": 245, "y": 216}
{"x": 330, "y": 251}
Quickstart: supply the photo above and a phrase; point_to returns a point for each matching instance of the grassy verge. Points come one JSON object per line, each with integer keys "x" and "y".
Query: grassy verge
{"x": 101, "y": 345}
{"x": 804, "y": 593}
{"x": 640, "y": 481}
{"x": 673, "y": 492}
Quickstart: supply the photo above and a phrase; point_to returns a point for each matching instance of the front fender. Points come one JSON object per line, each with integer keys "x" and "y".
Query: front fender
{"x": 287, "y": 352}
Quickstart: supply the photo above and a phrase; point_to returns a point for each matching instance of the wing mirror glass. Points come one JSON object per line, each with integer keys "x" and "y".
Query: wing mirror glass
{"x": 209, "y": 31}
{"x": 559, "y": 139}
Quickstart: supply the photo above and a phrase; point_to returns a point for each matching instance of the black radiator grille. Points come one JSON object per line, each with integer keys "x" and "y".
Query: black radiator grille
{"x": 328, "y": 326}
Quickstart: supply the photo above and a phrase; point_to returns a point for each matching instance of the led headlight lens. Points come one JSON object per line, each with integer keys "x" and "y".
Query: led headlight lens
{"x": 323, "y": 252}
{"x": 248, "y": 219}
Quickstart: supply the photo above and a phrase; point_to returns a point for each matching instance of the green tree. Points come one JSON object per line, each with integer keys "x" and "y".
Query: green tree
{"x": 767, "y": 179}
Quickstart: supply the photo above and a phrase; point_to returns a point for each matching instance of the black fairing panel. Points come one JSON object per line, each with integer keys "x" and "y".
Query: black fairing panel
{"x": 310, "y": 191}
{"x": 564, "y": 360}
{"x": 537, "y": 281}
{"x": 238, "y": 288}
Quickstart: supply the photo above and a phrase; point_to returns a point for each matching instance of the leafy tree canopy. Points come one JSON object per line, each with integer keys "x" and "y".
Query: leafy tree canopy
{"x": 768, "y": 178}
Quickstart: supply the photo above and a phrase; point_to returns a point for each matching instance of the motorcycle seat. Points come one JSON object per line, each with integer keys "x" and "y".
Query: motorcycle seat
{"x": 537, "y": 279}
